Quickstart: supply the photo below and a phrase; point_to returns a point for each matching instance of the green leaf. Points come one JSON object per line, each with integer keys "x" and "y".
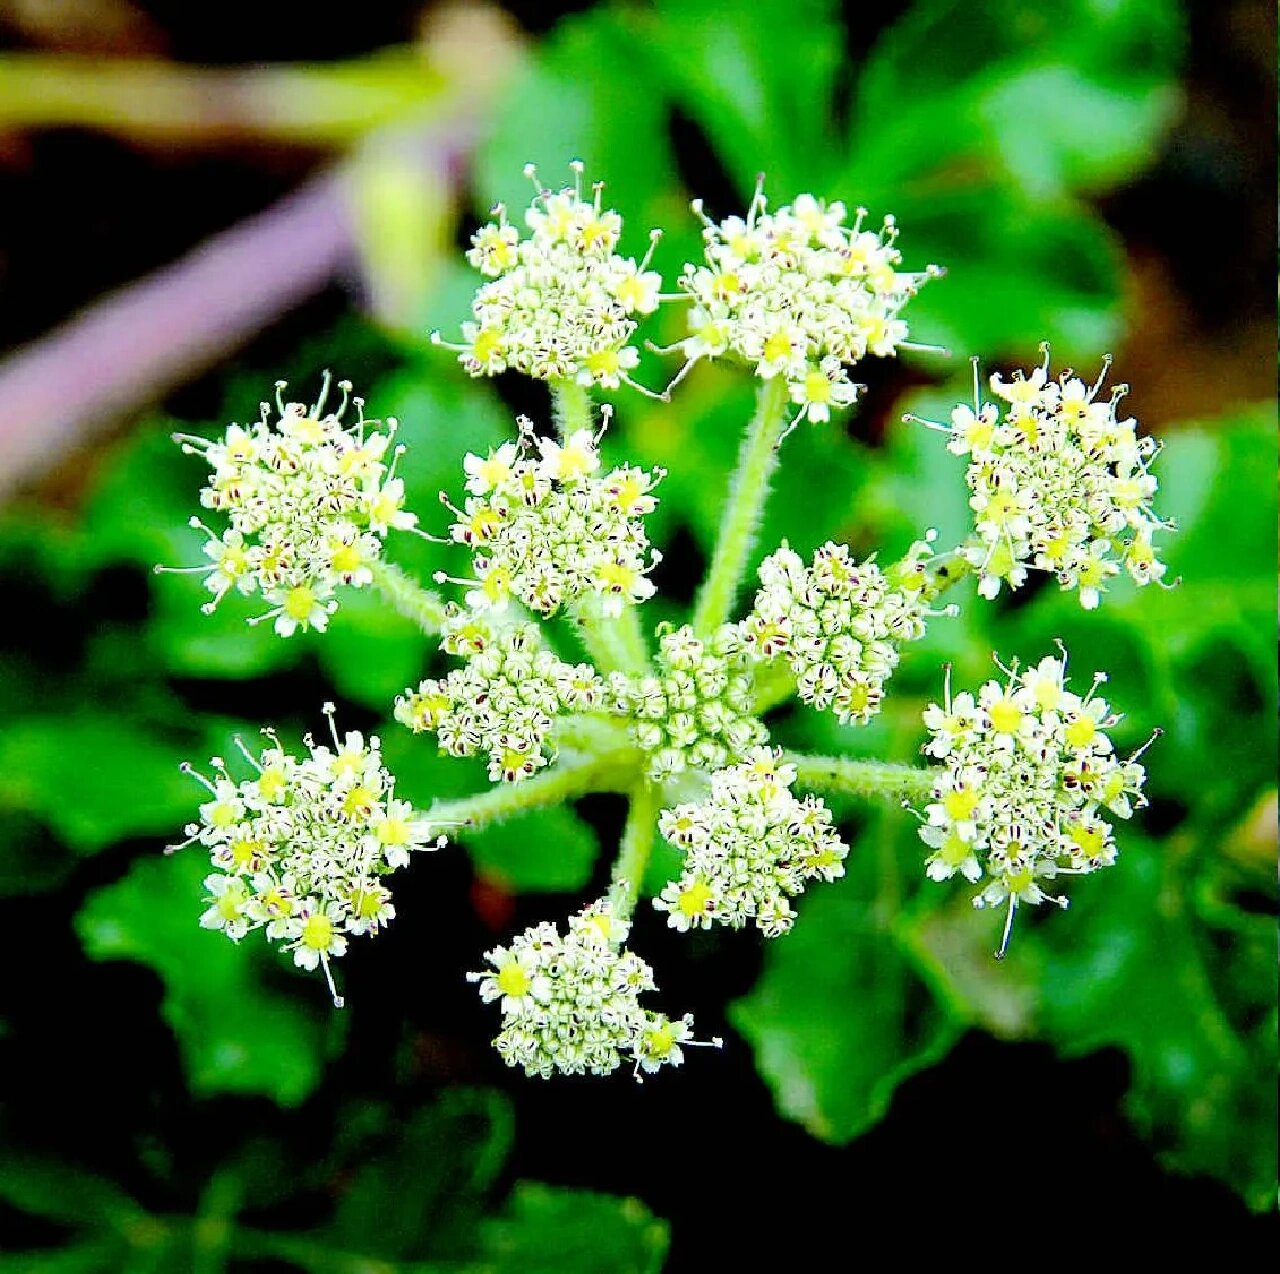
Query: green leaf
{"x": 840, "y": 1017}
{"x": 237, "y": 1034}
{"x": 1055, "y": 100}
{"x": 60, "y": 1191}
{"x": 758, "y": 79}
{"x": 371, "y": 653}
{"x": 422, "y": 1196}
{"x": 1017, "y": 273}
{"x": 1129, "y": 966}
{"x": 580, "y": 98}
{"x": 547, "y": 1230}
{"x": 93, "y": 777}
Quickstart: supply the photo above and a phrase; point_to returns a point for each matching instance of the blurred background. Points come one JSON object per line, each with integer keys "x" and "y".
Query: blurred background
{"x": 198, "y": 199}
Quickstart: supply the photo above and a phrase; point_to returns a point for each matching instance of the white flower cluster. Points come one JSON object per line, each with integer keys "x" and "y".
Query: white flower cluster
{"x": 749, "y": 848}
{"x": 1059, "y": 484}
{"x": 309, "y": 503}
{"x": 547, "y": 530}
{"x": 502, "y": 701}
{"x": 798, "y": 294}
{"x": 698, "y": 710}
{"x": 838, "y": 623}
{"x": 302, "y": 846}
{"x": 571, "y": 1003}
{"x": 560, "y": 303}
{"x": 1027, "y": 768}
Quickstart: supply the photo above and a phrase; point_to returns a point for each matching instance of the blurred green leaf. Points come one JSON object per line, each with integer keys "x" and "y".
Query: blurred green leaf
{"x": 422, "y": 1196}
{"x": 1017, "y": 273}
{"x": 1059, "y": 99}
{"x": 236, "y": 1033}
{"x": 93, "y": 777}
{"x": 758, "y": 79}
{"x": 60, "y": 1191}
{"x": 839, "y": 1017}
{"x": 580, "y": 98}
{"x": 549, "y": 849}
{"x": 370, "y": 653}
{"x": 1127, "y": 967}
{"x": 548, "y": 1230}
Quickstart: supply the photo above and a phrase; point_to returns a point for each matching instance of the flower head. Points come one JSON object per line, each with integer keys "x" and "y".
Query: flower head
{"x": 503, "y": 700}
{"x": 1027, "y": 770}
{"x": 571, "y": 1002}
{"x": 301, "y": 846}
{"x": 559, "y": 304}
{"x": 1059, "y": 483}
{"x": 696, "y": 711}
{"x": 308, "y": 502}
{"x": 546, "y": 529}
{"x": 750, "y": 847}
{"x": 798, "y": 293}
{"x": 838, "y": 623}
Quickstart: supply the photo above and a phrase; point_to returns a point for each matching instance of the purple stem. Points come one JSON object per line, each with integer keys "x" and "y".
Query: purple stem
{"x": 132, "y": 346}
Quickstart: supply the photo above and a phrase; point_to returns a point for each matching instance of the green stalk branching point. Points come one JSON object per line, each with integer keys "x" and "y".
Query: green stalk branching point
{"x": 615, "y": 643}
{"x": 740, "y": 521}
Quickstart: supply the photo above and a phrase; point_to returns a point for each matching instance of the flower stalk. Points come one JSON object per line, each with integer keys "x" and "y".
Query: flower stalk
{"x": 757, "y": 460}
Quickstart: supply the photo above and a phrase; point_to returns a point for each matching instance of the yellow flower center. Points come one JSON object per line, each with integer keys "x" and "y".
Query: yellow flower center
{"x": 513, "y": 980}
{"x": 960, "y": 804}
{"x": 1082, "y": 731}
{"x": 693, "y": 901}
{"x": 299, "y": 603}
{"x": 317, "y": 932}
{"x": 1006, "y": 716}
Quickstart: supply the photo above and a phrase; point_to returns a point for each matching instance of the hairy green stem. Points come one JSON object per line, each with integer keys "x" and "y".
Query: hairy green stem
{"x": 848, "y": 777}
{"x": 757, "y": 459}
{"x": 424, "y": 607}
{"x": 633, "y": 854}
{"x": 570, "y": 407}
{"x": 615, "y": 643}
{"x": 609, "y": 772}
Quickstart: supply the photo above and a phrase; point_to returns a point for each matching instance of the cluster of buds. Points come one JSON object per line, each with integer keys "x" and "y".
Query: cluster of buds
{"x": 571, "y": 1003}
{"x": 1027, "y": 768}
{"x": 697, "y": 711}
{"x": 838, "y": 623}
{"x": 545, "y": 528}
{"x": 560, "y": 304}
{"x": 308, "y": 501}
{"x": 750, "y": 848}
{"x": 797, "y": 293}
{"x": 502, "y": 701}
{"x": 302, "y": 846}
{"x": 1058, "y": 484}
